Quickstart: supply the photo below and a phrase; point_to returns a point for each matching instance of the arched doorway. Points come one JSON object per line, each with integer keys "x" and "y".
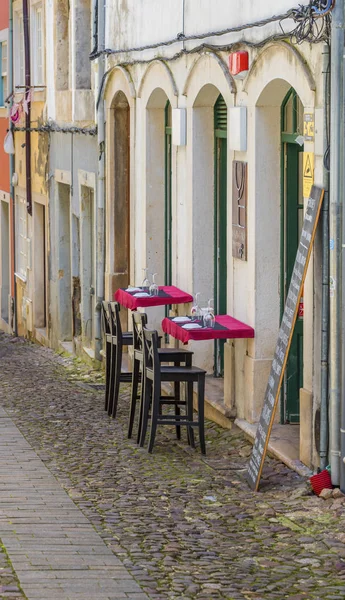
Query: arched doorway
{"x": 158, "y": 186}
{"x": 291, "y": 226}
{"x": 121, "y": 195}
{"x": 220, "y": 222}
{"x": 210, "y": 180}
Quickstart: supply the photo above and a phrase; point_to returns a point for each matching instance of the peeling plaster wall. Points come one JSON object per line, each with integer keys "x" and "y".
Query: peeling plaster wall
{"x": 253, "y": 286}
{"x": 83, "y": 157}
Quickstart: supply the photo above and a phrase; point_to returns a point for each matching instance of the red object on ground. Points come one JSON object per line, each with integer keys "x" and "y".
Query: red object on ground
{"x": 230, "y": 328}
{"x": 321, "y": 481}
{"x": 173, "y": 295}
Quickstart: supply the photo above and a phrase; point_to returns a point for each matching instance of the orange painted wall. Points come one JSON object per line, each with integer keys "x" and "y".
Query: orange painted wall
{"x": 4, "y": 159}
{"x": 4, "y": 14}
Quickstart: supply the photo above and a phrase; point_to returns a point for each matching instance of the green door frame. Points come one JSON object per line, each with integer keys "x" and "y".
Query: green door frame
{"x": 168, "y": 202}
{"x": 289, "y": 407}
{"x": 220, "y": 224}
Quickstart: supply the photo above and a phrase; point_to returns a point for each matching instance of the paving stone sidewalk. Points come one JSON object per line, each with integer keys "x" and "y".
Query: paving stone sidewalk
{"x": 182, "y": 525}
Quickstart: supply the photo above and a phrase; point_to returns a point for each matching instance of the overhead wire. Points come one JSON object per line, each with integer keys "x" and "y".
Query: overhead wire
{"x": 304, "y": 15}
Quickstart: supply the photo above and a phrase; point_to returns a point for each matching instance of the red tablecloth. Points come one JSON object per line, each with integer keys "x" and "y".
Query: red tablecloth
{"x": 230, "y": 328}
{"x": 172, "y": 295}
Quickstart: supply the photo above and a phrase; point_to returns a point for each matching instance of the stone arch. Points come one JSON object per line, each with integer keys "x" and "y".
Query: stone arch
{"x": 119, "y": 97}
{"x": 205, "y": 64}
{"x": 164, "y": 77}
{"x": 119, "y": 79}
{"x": 277, "y": 59}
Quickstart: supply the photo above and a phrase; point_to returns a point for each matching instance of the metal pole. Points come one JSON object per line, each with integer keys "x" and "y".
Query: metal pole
{"x": 325, "y": 269}
{"x": 336, "y": 196}
{"x": 342, "y": 415}
{"x": 12, "y": 167}
{"x": 100, "y": 265}
{"x": 26, "y": 27}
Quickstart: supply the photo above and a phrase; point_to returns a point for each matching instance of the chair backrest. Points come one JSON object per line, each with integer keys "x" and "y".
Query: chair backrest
{"x": 106, "y": 317}
{"x": 151, "y": 358}
{"x": 139, "y": 321}
{"x": 115, "y": 322}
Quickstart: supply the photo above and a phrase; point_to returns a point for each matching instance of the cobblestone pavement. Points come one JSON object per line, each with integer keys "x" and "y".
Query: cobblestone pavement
{"x": 183, "y": 525}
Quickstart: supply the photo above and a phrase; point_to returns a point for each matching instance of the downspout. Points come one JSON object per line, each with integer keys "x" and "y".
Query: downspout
{"x": 26, "y": 28}
{"x": 12, "y": 167}
{"x": 335, "y": 199}
{"x": 325, "y": 268}
{"x": 100, "y": 266}
{"x": 342, "y": 409}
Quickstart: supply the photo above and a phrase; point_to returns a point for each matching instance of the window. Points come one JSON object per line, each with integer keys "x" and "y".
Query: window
{"x": 37, "y": 45}
{"x": 3, "y": 65}
{"x": 19, "y": 50}
{"x": 22, "y": 246}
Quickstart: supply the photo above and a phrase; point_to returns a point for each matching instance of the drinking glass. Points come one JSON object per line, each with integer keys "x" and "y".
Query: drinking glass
{"x": 146, "y": 283}
{"x": 195, "y": 310}
{"x": 154, "y": 289}
{"x": 210, "y": 319}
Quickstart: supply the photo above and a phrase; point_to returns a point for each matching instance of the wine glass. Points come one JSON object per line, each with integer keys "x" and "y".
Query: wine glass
{"x": 195, "y": 310}
{"x": 154, "y": 289}
{"x": 146, "y": 283}
{"x": 209, "y": 318}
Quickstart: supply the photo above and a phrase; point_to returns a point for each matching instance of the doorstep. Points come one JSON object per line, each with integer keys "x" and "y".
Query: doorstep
{"x": 283, "y": 444}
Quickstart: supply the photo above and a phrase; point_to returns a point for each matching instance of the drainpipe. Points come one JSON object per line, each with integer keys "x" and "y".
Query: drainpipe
{"x": 325, "y": 271}
{"x": 342, "y": 411}
{"x": 12, "y": 167}
{"x": 335, "y": 199}
{"x": 100, "y": 266}
{"x": 26, "y": 28}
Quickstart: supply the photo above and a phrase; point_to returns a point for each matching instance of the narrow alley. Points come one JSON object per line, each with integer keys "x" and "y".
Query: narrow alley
{"x": 169, "y": 525}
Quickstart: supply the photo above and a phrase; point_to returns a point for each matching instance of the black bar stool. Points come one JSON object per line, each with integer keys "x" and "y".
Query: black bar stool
{"x": 154, "y": 374}
{"x": 115, "y": 340}
{"x": 166, "y": 355}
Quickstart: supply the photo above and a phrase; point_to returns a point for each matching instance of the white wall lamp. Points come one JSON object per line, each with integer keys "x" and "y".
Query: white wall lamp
{"x": 179, "y": 126}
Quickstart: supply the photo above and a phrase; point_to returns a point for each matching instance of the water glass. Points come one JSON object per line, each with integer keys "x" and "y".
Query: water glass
{"x": 146, "y": 283}
{"x": 154, "y": 289}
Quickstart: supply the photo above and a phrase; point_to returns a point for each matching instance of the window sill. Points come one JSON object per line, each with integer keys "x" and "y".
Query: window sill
{"x": 20, "y": 277}
{"x": 3, "y": 112}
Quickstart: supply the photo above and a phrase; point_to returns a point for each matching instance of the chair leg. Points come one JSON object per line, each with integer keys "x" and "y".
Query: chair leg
{"x": 154, "y": 415}
{"x": 201, "y": 412}
{"x": 107, "y": 373}
{"x": 117, "y": 373}
{"x": 145, "y": 411}
{"x": 177, "y": 408}
{"x": 112, "y": 374}
{"x": 189, "y": 408}
{"x": 134, "y": 395}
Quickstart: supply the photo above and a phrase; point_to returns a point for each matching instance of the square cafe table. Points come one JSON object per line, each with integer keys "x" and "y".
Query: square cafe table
{"x": 168, "y": 294}
{"x": 225, "y": 328}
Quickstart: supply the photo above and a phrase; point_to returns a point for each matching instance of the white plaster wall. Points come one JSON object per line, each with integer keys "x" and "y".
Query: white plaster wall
{"x": 253, "y": 286}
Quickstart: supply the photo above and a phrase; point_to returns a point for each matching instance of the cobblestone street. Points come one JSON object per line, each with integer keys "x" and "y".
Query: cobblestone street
{"x": 182, "y": 525}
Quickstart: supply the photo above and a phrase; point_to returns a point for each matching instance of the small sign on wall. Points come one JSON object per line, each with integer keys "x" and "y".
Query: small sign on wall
{"x": 308, "y": 173}
{"x": 308, "y": 127}
{"x": 239, "y": 209}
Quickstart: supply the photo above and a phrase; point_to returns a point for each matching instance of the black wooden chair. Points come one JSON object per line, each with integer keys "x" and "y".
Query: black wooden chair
{"x": 154, "y": 375}
{"x": 166, "y": 355}
{"x": 115, "y": 339}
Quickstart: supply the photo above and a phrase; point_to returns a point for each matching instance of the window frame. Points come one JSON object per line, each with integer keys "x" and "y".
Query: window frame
{"x": 22, "y": 237}
{"x": 38, "y": 71}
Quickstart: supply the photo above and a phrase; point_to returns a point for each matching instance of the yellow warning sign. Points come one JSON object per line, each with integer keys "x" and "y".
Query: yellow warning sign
{"x": 309, "y": 127}
{"x": 308, "y": 173}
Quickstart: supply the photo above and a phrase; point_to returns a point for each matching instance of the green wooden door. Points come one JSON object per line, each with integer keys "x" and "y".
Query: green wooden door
{"x": 292, "y": 122}
{"x": 220, "y": 228}
{"x": 168, "y": 209}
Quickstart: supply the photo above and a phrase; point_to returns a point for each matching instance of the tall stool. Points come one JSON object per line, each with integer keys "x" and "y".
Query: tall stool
{"x": 115, "y": 339}
{"x": 154, "y": 375}
{"x": 166, "y": 355}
